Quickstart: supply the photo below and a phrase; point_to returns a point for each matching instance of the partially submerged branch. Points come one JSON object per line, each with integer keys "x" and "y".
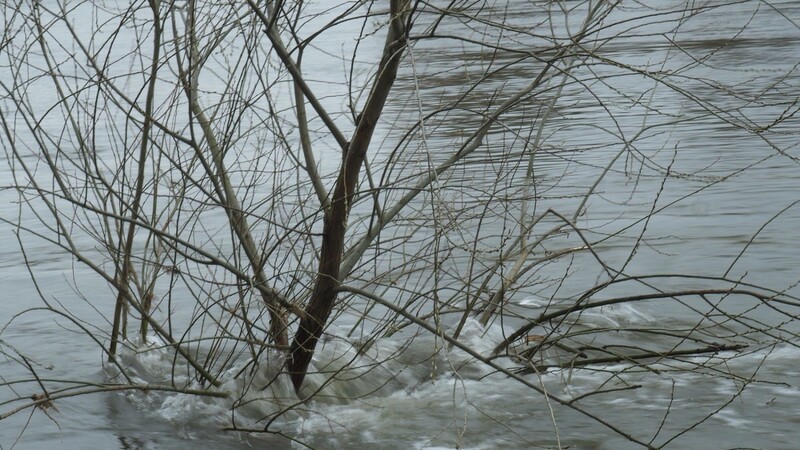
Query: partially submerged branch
{"x": 323, "y": 296}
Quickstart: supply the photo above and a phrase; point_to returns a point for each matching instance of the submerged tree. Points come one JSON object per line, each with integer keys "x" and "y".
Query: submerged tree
{"x": 247, "y": 175}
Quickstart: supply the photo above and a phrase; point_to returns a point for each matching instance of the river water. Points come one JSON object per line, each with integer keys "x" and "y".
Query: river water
{"x": 731, "y": 207}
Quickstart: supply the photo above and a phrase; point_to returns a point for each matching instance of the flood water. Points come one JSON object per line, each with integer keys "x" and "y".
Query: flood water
{"x": 730, "y": 207}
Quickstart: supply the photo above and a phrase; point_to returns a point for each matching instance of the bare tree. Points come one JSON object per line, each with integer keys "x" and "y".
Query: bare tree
{"x": 247, "y": 175}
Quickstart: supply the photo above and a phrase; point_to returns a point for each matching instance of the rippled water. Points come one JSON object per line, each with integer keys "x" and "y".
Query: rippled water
{"x": 706, "y": 221}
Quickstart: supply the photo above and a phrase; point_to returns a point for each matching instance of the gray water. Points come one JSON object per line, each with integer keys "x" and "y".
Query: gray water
{"x": 711, "y": 214}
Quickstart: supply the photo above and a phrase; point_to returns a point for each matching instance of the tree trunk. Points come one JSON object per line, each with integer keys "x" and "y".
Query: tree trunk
{"x": 323, "y": 296}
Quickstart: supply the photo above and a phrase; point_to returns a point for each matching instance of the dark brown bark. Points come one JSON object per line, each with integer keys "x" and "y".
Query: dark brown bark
{"x": 323, "y": 296}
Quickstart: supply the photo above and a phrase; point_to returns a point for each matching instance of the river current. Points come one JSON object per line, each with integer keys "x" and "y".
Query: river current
{"x": 734, "y": 211}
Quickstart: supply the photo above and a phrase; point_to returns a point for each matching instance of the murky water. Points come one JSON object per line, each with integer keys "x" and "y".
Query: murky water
{"x": 732, "y": 208}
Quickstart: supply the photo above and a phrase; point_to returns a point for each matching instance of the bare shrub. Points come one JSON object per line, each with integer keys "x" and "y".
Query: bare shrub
{"x": 300, "y": 204}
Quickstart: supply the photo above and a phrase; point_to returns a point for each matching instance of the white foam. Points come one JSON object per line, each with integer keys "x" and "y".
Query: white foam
{"x": 534, "y": 301}
{"x": 732, "y": 418}
{"x": 613, "y": 316}
{"x": 362, "y": 391}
